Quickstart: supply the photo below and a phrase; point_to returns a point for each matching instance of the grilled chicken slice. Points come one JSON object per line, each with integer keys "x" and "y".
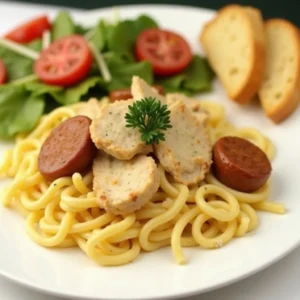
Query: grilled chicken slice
{"x": 90, "y": 108}
{"x": 123, "y": 187}
{"x": 186, "y": 151}
{"x": 110, "y": 134}
{"x": 140, "y": 89}
{"x": 192, "y": 103}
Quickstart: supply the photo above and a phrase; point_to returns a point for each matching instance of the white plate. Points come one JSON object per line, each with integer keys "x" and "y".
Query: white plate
{"x": 155, "y": 275}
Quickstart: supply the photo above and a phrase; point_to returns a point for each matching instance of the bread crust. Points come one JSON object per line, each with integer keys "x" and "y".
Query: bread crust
{"x": 290, "y": 101}
{"x": 252, "y": 82}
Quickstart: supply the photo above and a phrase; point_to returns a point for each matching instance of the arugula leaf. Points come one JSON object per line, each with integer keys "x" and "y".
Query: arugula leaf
{"x": 144, "y": 22}
{"x": 63, "y": 25}
{"x": 79, "y": 29}
{"x": 122, "y": 72}
{"x": 74, "y": 94}
{"x": 122, "y": 76}
{"x": 114, "y": 58}
{"x": 39, "y": 88}
{"x": 99, "y": 37}
{"x": 173, "y": 83}
{"x": 35, "y": 45}
{"x": 106, "y": 30}
{"x": 26, "y": 118}
{"x": 197, "y": 77}
{"x": 18, "y": 66}
{"x": 65, "y": 96}
{"x": 122, "y": 39}
{"x": 19, "y": 111}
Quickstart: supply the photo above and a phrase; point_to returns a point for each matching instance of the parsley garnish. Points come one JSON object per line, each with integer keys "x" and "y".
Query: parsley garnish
{"x": 151, "y": 117}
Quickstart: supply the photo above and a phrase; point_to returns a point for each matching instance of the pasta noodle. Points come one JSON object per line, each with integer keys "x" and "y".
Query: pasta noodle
{"x": 65, "y": 213}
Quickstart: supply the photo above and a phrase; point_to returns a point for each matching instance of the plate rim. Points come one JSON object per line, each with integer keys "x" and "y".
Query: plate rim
{"x": 41, "y": 290}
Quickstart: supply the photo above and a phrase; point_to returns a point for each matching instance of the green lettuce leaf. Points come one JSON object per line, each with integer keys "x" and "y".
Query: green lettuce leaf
{"x": 65, "y": 96}
{"x": 18, "y": 66}
{"x": 35, "y": 45}
{"x": 39, "y": 88}
{"x": 196, "y": 78}
{"x": 122, "y": 39}
{"x": 82, "y": 30}
{"x": 19, "y": 110}
{"x": 122, "y": 72}
{"x": 100, "y": 34}
{"x": 198, "y": 75}
{"x": 172, "y": 84}
{"x": 63, "y": 25}
{"x": 144, "y": 22}
{"x": 74, "y": 94}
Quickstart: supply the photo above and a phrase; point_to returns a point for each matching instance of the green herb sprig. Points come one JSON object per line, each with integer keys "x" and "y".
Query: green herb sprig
{"x": 151, "y": 117}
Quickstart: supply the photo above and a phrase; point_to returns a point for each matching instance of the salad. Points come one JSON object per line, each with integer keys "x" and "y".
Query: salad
{"x": 45, "y": 64}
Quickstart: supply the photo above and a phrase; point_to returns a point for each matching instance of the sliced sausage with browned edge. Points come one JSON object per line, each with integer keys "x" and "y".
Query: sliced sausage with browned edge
{"x": 68, "y": 149}
{"x": 125, "y": 94}
{"x": 240, "y": 165}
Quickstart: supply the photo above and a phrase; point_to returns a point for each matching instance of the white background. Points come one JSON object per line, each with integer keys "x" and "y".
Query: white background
{"x": 281, "y": 281}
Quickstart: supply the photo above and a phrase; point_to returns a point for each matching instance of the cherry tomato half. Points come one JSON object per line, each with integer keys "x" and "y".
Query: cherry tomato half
{"x": 3, "y": 74}
{"x": 30, "y": 30}
{"x": 65, "y": 62}
{"x": 167, "y": 51}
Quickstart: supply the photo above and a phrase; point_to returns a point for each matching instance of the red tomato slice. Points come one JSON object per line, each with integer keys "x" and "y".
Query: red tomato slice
{"x": 3, "y": 74}
{"x": 66, "y": 61}
{"x": 30, "y": 30}
{"x": 167, "y": 51}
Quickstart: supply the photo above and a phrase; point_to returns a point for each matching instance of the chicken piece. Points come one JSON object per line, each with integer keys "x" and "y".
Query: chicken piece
{"x": 123, "y": 187}
{"x": 186, "y": 151}
{"x": 141, "y": 89}
{"x": 90, "y": 108}
{"x": 192, "y": 103}
{"x": 110, "y": 134}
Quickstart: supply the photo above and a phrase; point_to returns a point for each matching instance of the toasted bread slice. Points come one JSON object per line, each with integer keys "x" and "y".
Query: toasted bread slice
{"x": 279, "y": 93}
{"x": 235, "y": 46}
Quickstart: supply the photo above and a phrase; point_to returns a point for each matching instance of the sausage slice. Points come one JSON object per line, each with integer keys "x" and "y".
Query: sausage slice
{"x": 68, "y": 149}
{"x": 240, "y": 165}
